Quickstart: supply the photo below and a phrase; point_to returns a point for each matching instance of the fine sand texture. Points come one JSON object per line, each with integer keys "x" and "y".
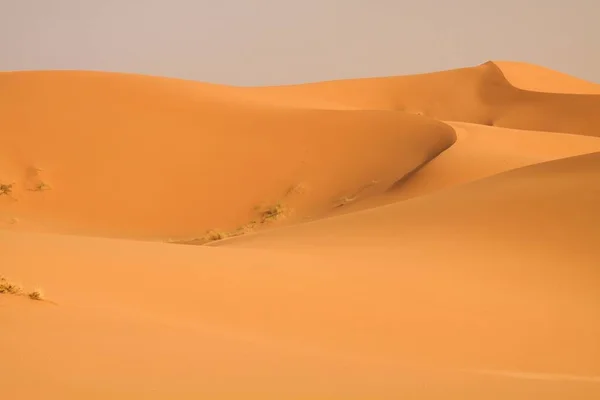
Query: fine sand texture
{"x": 431, "y": 237}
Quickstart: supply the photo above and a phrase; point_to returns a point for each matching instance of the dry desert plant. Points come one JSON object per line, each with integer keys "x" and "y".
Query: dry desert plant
{"x": 41, "y": 186}
{"x": 7, "y": 287}
{"x": 6, "y": 189}
{"x": 272, "y": 213}
{"x": 36, "y": 295}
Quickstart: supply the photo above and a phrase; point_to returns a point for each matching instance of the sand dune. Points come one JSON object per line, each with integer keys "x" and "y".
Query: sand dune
{"x": 464, "y": 266}
{"x": 481, "y": 95}
{"x": 539, "y": 79}
{"x": 355, "y": 296}
{"x": 561, "y": 190}
{"x": 479, "y": 152}
{"x": 151, "y": 158}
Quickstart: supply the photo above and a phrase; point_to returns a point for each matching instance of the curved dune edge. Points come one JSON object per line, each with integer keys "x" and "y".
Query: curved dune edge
{"x": 480, "y": 152}
{"x": 480, "y": 95}
{"x": 379, "y": 302}
{"x": 536, "y": 78}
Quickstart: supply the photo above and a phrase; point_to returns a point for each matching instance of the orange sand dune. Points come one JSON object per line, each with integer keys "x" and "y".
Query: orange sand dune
{"x": 479, "y": 94}
{"x": 479, "y": 152}
{"x": 534, "y": 200}
{"x": 465, "y": 266}
{"x": 539, "y": 79}
{"x": 487, "y": 289}
{"x": 153, "y": 158}
{"x": 102, "y": 139}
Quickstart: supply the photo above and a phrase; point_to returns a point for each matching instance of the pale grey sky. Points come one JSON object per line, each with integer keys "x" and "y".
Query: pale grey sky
{"x": 260, "y": 42}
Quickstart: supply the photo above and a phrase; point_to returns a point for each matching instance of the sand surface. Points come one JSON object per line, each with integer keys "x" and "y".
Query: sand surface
{"x": 433, "y": 236}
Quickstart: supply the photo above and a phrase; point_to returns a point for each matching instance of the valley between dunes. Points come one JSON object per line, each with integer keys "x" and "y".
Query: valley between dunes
{"x": 434, "y": 236}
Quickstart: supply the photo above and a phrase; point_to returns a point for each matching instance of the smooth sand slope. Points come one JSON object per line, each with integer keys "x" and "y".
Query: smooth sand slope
{"x": 435, "y": 297}
{"x": 481, "y": 95}
{"x": 154, "y": 158}
{"x": 146, "y": 157}
{"x": 465, "y": 266}
{"x": 479, "y": 152}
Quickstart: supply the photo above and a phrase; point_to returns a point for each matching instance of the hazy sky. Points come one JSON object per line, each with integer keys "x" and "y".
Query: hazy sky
{"x": 257, "y": 42}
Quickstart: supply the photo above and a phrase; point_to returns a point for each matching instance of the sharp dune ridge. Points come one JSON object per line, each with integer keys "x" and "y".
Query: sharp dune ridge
{"x": 432, "y": 236}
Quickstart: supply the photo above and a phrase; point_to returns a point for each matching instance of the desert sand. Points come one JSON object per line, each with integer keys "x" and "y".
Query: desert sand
{"x": 433, "y": 236}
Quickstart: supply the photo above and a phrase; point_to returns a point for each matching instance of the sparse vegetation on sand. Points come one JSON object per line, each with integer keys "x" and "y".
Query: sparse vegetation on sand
{"x": 272, "y": 213}
{"x": 36, "y": 295}
{"x": 41, "y": 186}
{"x": 7, "y": 287}
{"x": 214, "y": 235}
{"x": 6, "y": 189}
{"x": 266, "y": 215}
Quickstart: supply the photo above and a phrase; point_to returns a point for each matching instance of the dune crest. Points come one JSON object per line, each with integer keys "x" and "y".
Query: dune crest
{"x": 480, "y": 95}
{"x": 536, "y": 78}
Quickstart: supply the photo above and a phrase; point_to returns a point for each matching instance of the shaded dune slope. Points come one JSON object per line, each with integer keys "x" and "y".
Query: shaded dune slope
{"x": 479, "y": 152}
{"x": 380, "y": 302}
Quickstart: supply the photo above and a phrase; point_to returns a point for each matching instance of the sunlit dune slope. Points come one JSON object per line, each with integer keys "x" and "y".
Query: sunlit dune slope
{"x": 483, "y": 290}
{"x": 540, "y": 79}
{"x": 147, "y": 157}
{"x": 478, "y": 94}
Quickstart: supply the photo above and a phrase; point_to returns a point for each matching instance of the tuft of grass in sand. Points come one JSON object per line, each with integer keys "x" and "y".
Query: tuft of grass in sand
{"x": 214, "y": 235}
{"x": 6, "y": 189}
{"x": 272, "y": 213}
{"x": 267, "y": 215}
{"x": 249, "y": 227}
{"x": 36, "y": 183}
{"x": 7, "y": 287}
{"x": 41, "y": 186}
{"x": 36, "y": 295}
